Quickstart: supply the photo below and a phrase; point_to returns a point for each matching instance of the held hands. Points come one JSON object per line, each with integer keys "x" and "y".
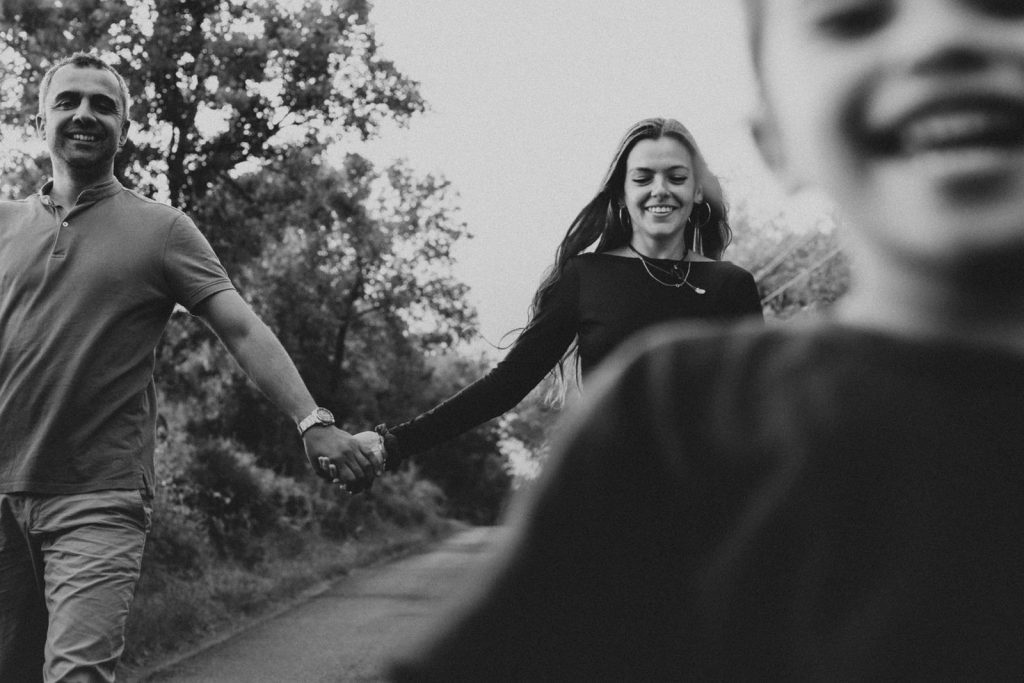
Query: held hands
{"x": 373, "y": 443}
{"x": 341, "y": 458}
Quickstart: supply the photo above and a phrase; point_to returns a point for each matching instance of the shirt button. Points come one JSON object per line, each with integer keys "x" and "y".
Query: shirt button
{"x": 64, "y": 224}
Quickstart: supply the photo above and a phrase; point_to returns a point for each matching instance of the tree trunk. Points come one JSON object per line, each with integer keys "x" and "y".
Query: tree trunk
{"x": 348, "y": 311}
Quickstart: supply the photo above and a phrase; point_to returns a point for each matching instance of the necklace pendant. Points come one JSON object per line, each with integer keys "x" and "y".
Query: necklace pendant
{"x": 673, "y": 272}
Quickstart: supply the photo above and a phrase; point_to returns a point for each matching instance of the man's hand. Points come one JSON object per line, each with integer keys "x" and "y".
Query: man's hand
{"x": 341, "y": 458}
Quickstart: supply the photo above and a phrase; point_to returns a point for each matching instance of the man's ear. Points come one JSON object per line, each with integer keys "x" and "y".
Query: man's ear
{"x": 41, "y": 126}
{"x": 123, "y": 138}
{"x": 769, "y": 142}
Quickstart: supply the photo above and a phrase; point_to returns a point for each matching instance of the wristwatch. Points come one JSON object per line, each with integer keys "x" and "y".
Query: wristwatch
{"x": 319, "y": 417}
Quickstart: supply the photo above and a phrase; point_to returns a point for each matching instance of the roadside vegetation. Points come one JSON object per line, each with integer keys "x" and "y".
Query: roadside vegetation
{"x": 232, "y": 540}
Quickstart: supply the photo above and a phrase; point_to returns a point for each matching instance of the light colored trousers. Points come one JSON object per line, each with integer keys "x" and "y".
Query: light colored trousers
{"x": 69, "y": 565}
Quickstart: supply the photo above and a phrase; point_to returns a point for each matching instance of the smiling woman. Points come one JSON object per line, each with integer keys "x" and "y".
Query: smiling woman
{"x": 643, "y": 251}
{"x": 660, "y": 194}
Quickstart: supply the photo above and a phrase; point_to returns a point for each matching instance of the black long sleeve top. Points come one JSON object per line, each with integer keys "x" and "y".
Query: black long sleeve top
{"x": 601, "y": 299}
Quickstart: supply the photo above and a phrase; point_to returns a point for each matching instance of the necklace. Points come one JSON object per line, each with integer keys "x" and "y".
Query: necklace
{"x": 672, "y": 272}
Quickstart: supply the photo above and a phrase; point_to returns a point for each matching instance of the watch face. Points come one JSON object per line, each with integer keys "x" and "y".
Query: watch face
{"x": 324, "y": 416}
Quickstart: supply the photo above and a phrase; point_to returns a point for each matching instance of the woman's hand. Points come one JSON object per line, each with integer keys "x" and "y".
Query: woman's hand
{"x": 373, "y": 442}
{"x": 344, "y": 459}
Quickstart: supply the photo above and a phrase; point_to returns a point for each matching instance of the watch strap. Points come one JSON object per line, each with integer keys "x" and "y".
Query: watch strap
{"x": 319, "y": 416}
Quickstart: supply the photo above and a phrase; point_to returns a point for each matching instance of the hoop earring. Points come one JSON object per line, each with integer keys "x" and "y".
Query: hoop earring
{"x": 707, "y": 220}
{"x": 698, "y": 239}
{"x": 624, "y": 219}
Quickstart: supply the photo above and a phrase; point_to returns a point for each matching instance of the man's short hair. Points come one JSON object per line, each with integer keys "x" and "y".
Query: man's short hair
{"x": 83, "y": 60}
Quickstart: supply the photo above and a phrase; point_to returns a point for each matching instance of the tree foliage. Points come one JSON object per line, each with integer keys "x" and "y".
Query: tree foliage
{"x": 352, "y": 269}
{"x": 216, "y": 83}
{"x": 471, "y": 468}
{"x": 799, "y": 265}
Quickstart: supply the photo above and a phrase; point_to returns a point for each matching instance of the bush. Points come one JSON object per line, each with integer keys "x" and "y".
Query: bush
{"x": 406, "y": 500}
{"x": 474, "y": 475}
{"x": 177, "y": 542}
{"x": 402, "y": 499}
{"x": 230, "y": 538}
{"x": 240, "y": 502}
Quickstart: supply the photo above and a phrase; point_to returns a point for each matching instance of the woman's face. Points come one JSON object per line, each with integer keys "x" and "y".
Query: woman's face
{"x": 660, "y": 190}
{"x": 910, "y": 113}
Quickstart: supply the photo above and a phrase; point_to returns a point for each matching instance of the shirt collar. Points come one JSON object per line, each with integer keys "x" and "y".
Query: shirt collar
{"x": 92, "y": 194}
{"x": 44, "y": 193}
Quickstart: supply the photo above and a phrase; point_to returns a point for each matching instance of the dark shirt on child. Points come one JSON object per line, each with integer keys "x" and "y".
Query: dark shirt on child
{"x": 823, "y": 504}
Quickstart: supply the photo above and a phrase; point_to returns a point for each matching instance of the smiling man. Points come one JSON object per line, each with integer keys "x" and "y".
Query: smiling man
{"x": 89, "y": 275}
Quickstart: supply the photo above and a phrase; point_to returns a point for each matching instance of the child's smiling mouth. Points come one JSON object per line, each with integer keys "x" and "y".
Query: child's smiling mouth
{"x": 955, "y": 125}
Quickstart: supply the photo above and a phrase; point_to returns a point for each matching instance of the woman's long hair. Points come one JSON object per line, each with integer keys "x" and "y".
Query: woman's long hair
{"x": 604, "y": 221}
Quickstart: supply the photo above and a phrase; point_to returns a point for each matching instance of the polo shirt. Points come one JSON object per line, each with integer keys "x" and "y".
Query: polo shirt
{"x": 84, "y": 300}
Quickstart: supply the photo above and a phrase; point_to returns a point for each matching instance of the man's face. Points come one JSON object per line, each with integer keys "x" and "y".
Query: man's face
{"x": 910, "y": 113}
{"x": 83, "y": 124}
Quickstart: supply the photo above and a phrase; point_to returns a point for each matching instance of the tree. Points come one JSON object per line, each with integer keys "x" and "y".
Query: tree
{"x": 471, "y": 468}
{"x": 353, "y": 275}
{"x": 216, "y": 83}
{"x": 798, "y": 262}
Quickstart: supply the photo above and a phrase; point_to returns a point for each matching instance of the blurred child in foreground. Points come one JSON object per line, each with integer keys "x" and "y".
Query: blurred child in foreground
{"x": 836, "y": 501}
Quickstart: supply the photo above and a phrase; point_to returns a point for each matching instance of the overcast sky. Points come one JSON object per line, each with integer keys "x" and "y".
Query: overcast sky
{"x": 528, "y": 100}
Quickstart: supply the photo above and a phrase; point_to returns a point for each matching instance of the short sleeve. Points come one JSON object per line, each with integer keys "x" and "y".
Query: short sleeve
{"x": 191, "y": 268}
